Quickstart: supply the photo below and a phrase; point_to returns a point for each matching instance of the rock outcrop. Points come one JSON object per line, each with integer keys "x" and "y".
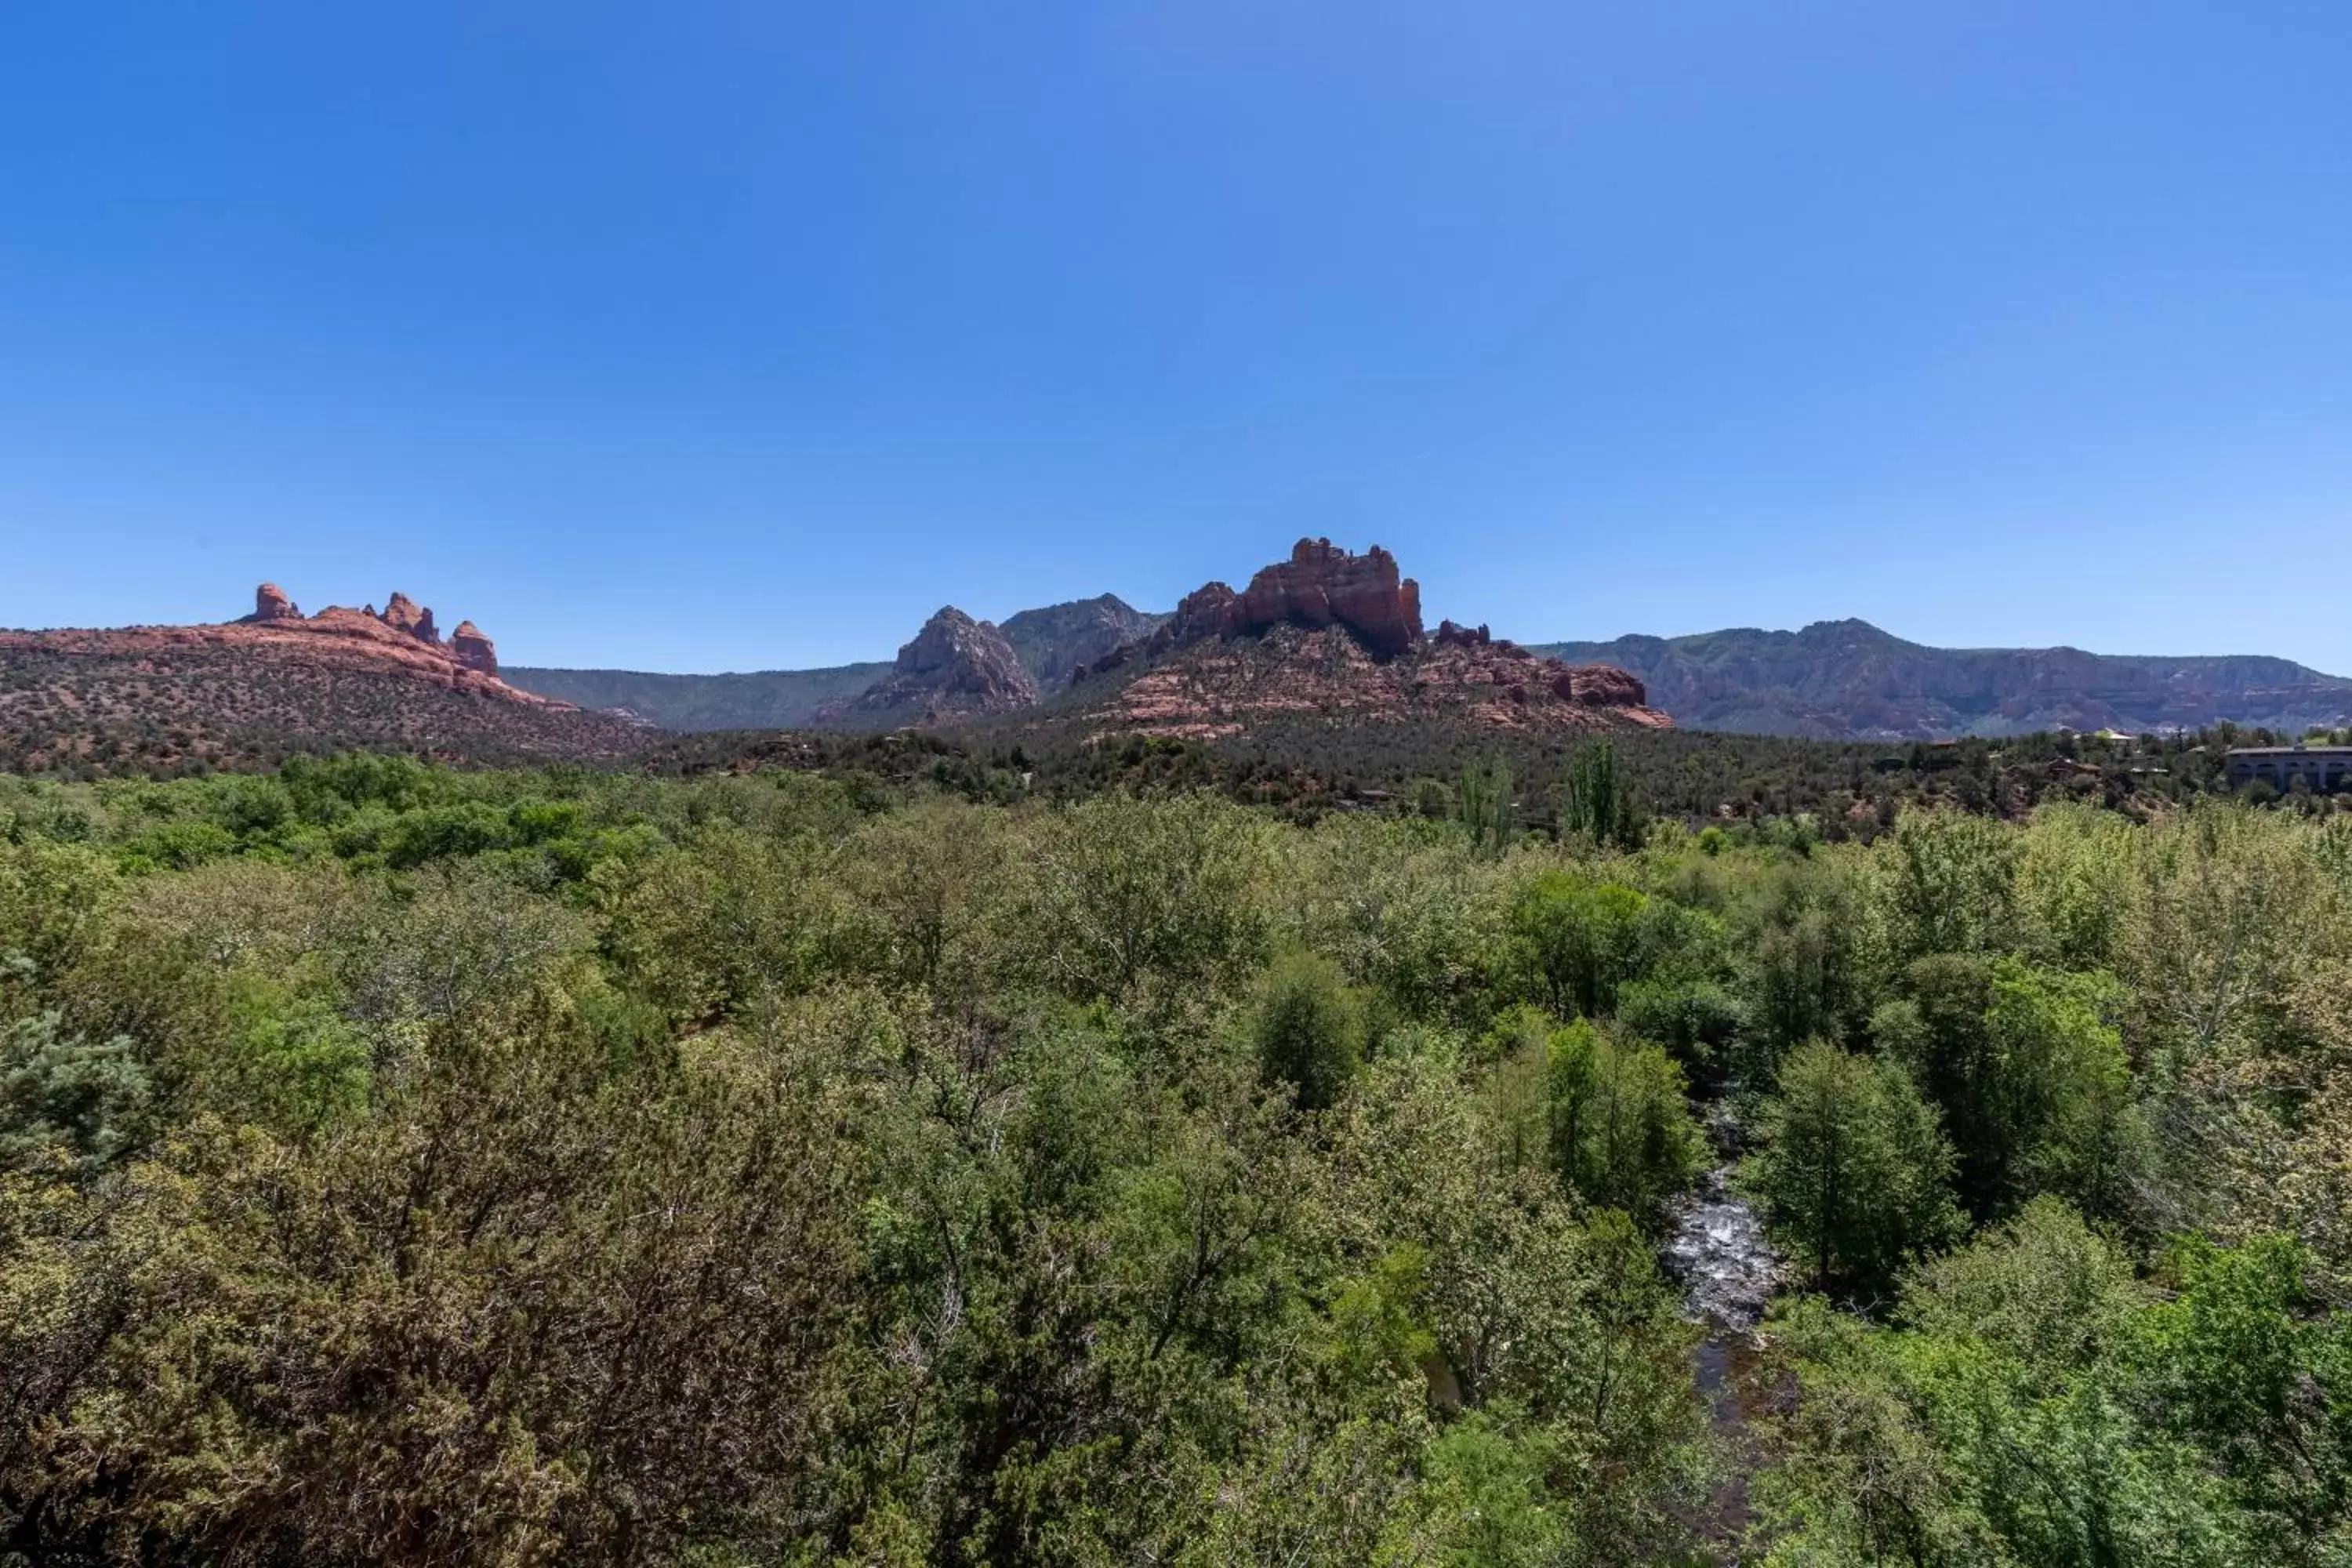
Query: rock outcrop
{"x": 472, "y": 649}
{"x": 1322, "y": 585}
{"x": 1056, "y": 641}
{"x": 955, "y": 653}
{"x": 271, "y": 604}
{"x": 1448, "y": 635}
{"x": 1211, "y": 610}
{"x": 401, "y": 633}
{"x": 403, "y": 613}
{"x": 1596, "y": 685}
{"x": 956, "y": 668}
{"x": 243, "y": 691}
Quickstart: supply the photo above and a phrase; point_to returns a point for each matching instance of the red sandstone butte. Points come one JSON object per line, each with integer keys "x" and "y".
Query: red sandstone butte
{"x": 1322, "y": 584}
{"x": 271, "y": 604}
{"x": 472, "y": 649}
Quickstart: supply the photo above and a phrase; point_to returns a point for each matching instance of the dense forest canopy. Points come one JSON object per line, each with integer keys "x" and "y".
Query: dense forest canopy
{"x": 924, "y": 1165}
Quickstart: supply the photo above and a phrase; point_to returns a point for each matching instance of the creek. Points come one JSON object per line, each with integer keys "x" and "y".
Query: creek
{"x": 1729, "y": 1271}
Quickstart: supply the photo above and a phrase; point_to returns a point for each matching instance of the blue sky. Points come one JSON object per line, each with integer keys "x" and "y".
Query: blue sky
{"x": 703, "y": 336}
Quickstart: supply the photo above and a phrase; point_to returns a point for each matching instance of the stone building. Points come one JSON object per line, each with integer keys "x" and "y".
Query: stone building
{"x": 2327, "y": 768}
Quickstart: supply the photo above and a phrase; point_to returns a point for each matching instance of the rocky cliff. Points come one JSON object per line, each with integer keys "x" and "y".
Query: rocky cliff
{"x": 469, "y": 647}
{"x": 1323, "y": 585}
{"x": 271, "y": 604}
{"x": 1056, "y": 641}
{"x": 1320, "y": 585}
{"x": 956, "y": 668}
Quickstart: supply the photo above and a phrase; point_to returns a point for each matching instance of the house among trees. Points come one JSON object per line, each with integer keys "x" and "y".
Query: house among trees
{"x": 2324, "y": 768}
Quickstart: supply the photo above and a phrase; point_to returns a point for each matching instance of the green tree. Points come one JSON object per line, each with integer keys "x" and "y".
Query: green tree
{"x": 1596, "y": 801}
{"x": 2029, "y": 1076}
{"x": 2239, "y": 1364}
{"x": 1131, "y": 897}
{"x": 1483, "y": 805}
{"x": 1578, "y": 941}
{"x": 1805, "y": 930}
{"x": 1622, "y": 1133}
{"x": 66, "y": 1099}
{"x": 1952, "y": 885}
{"x": 1309, "y": 1029}
{"x": 1851, "y": 1170}
{"x": 1699, "y": 1021}
{"x": 2002, "y": 1424}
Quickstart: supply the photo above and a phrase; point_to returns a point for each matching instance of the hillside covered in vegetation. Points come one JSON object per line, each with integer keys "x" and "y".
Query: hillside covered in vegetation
{"x": 821, "y": 1165}
{"x": 1849, "y": 680}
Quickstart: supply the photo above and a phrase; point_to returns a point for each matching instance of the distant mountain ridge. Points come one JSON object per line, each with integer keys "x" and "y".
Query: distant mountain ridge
{"x": 1317, "y": 654}
{"x": 1056, "y": 642}
{"x": 1051, "y": 643}
{"x": 1325, "y": 633}
{"x": 1849, "y": 680}
{"x": 749, "y": 699}
{"x": 1833, "y": 679}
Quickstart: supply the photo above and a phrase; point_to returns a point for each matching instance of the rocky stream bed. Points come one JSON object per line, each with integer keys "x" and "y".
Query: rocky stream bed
{"x": 1729, "y": 1273}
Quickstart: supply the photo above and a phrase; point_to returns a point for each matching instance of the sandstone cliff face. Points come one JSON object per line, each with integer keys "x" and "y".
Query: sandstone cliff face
{"x": 1597, "y": 686}
{"x": 469, "y": 647}
{"x": 1322, "y": 585}
{"x": 955, "y": 668}
{"x": 402, "y": 614}
{"x": 271, "y": 604}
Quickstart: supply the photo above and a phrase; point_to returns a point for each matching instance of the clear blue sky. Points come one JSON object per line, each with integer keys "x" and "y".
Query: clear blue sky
{"x": 700, "y": 336}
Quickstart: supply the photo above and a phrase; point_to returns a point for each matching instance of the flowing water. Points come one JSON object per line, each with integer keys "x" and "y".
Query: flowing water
{"x": 1728, "y": 1272}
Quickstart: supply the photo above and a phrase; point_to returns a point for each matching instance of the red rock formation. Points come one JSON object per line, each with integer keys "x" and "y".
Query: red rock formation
{"x": 401, "y": 641}
{"x": 472, "y": 649}
{"x": 401, "y": 634}
{"x": 1599, "y": 686}
{"x": 1339, "y": 637}
{"x": 271, "y": 604}
{"x": 1217, "y": 688}
{"x": 1211, "y": 610}
{"x": 1322, "y": 584}
{"x": 402, "y": 614}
